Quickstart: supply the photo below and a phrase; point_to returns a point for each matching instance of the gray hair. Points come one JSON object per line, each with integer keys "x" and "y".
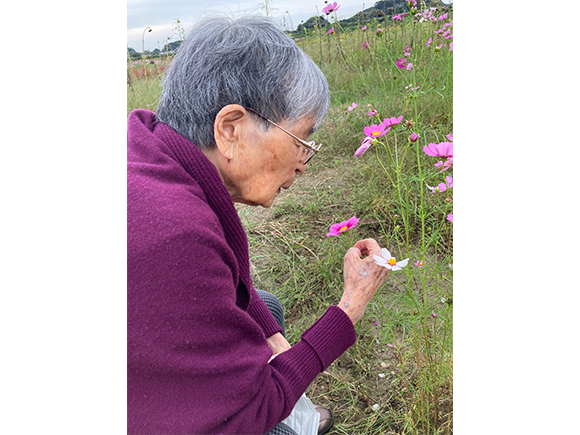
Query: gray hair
{"x": 248, "y": 61}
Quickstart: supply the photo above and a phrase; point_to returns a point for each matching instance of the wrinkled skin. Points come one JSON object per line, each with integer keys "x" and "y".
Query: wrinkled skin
{"x": 362, "y": 278}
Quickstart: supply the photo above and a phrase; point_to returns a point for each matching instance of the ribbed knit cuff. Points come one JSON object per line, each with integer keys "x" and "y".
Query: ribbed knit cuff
{"x": 258, "y": 310}
{"x": 331, "y": 335}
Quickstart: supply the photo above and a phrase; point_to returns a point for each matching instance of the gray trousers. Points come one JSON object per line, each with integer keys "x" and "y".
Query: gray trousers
{"x": 277, "y": 311}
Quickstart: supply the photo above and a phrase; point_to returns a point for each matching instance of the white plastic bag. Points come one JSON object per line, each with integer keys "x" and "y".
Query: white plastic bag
{"x": 304, "y": 418}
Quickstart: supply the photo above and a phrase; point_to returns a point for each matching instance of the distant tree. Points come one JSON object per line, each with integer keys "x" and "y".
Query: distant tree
{"x": 310, "y": 23}
{"x": 171, "y": 46}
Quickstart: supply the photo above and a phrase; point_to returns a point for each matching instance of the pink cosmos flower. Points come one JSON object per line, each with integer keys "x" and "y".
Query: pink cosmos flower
{"x": 451, "y": 47}
{"x": 330, "y": 8}
{"x": 442, "y": 187}
{"x": 331, "y": 31}
{"x": 450, "y": 218}
{"x": 372, "y": 112}
{"x": 376, "y": 130}
{"x": 402, "y": 63}
{"x": 392, "y": 121}
{"x": 409, "y": 66}
{"x": 365, "y": 145}
{"x": 391, "y": 263}
{"x": 444, "y": 149}
{"x": 351, "y": 108}
{"x": 342, "y": 227}
{"x": 363, "y": 28}
{"x": 419, "y": 263}
{"x": 365, "y": 45}
{"x": 428, "y": 44}
{"x": 446, "y": 164}
{"x": 450, "y": 137}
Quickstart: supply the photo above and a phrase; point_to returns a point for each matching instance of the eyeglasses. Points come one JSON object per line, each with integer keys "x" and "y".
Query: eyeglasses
{"x": 310, "y": 147}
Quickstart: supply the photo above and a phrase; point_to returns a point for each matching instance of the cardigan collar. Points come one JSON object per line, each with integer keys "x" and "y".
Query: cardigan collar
{"x": 203, "y": 171}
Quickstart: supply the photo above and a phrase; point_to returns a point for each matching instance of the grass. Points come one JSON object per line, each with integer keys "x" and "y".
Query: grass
{"x": 398, "y": 377}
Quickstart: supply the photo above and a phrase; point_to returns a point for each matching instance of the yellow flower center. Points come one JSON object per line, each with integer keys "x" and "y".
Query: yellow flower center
{"x": 376, "y": 133}
{"x": 344, "y": 229}
{"x": 392, "y": 261}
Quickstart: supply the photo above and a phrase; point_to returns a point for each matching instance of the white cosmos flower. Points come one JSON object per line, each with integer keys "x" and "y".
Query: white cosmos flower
{"x": 386, "y": 260}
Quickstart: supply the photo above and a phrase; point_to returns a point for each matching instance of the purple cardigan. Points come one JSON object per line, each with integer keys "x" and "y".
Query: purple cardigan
{"x": 197, "y": 356}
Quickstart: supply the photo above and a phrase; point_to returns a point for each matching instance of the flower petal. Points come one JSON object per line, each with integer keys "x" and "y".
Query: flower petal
{"x": 352, "y": 222}
{"x": 402, "y": 263}
{"x": 386, "y": 254}
{"x": 430, "y": 150}
{"x": 381, "y": 261}
{"x": 363, "y": 147}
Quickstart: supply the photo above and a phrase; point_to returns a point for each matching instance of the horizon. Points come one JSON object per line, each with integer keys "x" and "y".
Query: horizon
{"x": 161, "y": 17}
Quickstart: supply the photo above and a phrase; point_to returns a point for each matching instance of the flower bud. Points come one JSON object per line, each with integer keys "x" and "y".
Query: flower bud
{"x": 409, "y": 124}
{"x": 379, "y": 32}
{"x": 413, "y": 137}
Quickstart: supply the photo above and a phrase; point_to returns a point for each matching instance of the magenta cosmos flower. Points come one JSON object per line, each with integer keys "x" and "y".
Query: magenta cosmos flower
{"x": 372, "y": 112}
{"x": 342, "y": 227}
{"x": 443, "y": 149}
{"x": 331, "y": 31}
{"x": 402, "y": 63}
{"x": 376, "y": 130}
{"x": 388, "y": 122}
{"x": 351, "y": 108}
{"x": 450, "y": 218}
{"x": 365, "y": 45}
{"x": 330, "y": 8}
{"x": 446, "y": 164}
{"x": 442, "y": 187}
{"x": 365, "y": 145}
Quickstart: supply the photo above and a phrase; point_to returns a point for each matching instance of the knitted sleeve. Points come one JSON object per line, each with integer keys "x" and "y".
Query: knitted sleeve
{"x": 258, "y": 310}
{"x": 197, "y": 363}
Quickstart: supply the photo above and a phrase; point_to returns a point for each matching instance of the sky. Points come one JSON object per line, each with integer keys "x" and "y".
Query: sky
{"x": 161, "y": 15}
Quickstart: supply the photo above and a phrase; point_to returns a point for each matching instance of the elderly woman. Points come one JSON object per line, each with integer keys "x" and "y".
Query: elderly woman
{"x": 205, "y": 353}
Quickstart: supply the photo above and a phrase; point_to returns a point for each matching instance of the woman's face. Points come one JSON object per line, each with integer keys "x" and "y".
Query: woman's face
{"x": 264, "y": 162}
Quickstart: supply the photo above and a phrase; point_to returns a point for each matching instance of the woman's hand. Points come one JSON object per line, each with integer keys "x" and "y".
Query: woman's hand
{"x": 362, "y": 278}
{"x": 278, "y": 344}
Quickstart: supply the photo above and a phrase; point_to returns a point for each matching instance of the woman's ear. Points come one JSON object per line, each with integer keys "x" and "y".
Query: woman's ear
{"x": 228, "y": 129}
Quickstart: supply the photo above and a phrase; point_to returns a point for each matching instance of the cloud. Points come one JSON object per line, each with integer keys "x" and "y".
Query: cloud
{"x": 161, "y": 15}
